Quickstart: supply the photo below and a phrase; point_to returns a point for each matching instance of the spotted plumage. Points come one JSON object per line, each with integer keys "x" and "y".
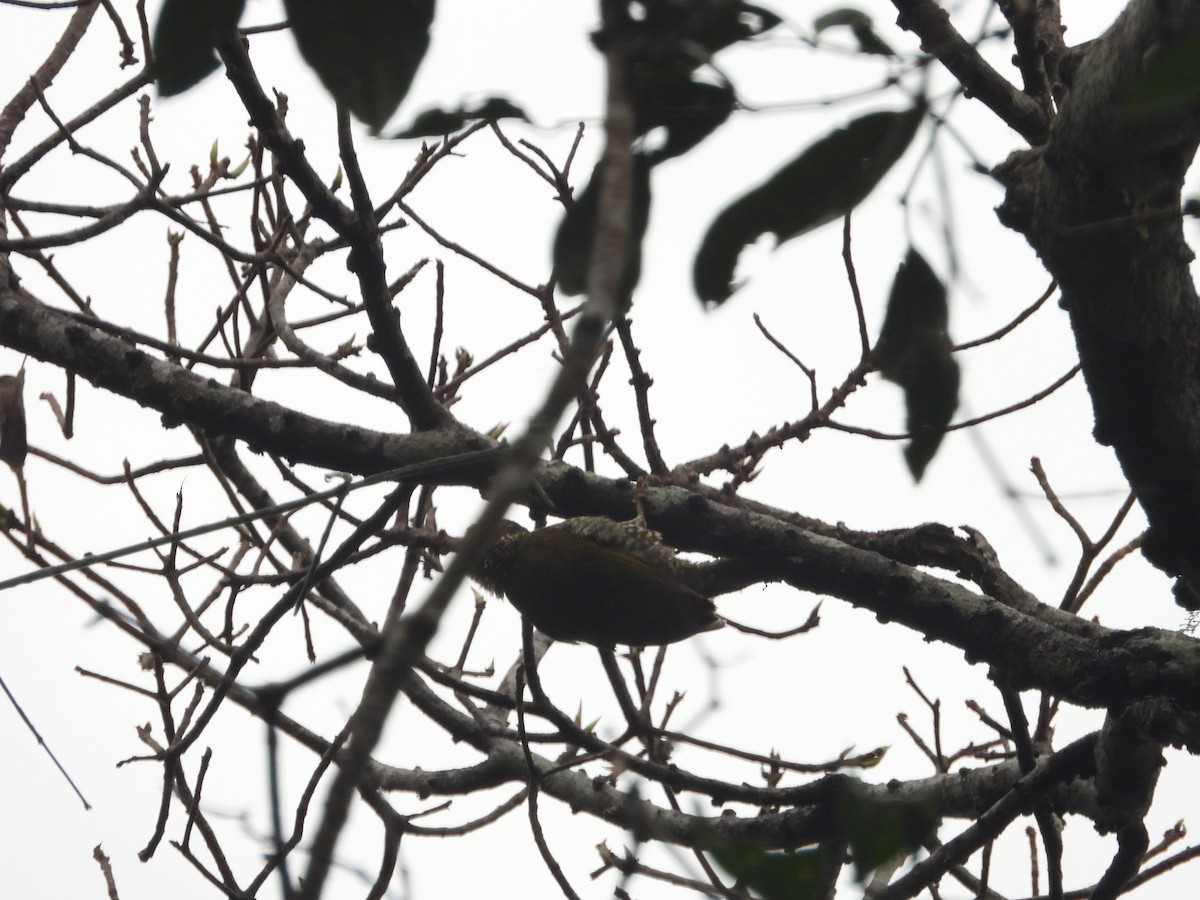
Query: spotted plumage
{"x": 594, "y": 580}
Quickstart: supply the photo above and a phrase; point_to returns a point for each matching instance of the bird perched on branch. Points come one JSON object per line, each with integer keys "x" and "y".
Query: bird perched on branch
{"x": 594, "y": 580}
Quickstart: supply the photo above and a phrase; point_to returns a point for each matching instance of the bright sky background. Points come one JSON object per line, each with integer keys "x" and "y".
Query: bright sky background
{"x": 716, "y": 380}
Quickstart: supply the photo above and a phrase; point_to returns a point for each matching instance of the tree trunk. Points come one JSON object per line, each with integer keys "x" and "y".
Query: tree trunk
{"x": 1100, "y": 203}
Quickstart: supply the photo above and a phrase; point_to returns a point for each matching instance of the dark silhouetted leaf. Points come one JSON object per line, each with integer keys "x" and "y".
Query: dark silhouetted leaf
{"x": 433, "y": 123}
{"x": 819, "y": 186}
{"x": 440, "y": 122}
{"x": 1170, "y": 84}
{"x": 365, "y": 52}
{"x": 573, "y": 242}
{"x": 689, "y": 111}
{"x": 775, "y": 875}
{"x": 758, "y": 19}
{"x": 875, "y": 830}
{"x": 860, "y": 26}
{"x": 916, "y": 306}
{"x": 13, "y": 445}
{"x": 847, "y": 15}
{"x": 184, "y": 38}
{"x": 497, "y": 108}
{"x": 737, "y": 22}
{"x": 879, "y": 830}
{"x": 931, "y": 397}
{"x": 914, "y": 351}
{"x": 699, "y": 30}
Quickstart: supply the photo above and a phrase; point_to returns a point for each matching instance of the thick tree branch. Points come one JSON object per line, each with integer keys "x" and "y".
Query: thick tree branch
{"x": 1092, "y": 203}
{"x": 939, "y": 38}
{"x": 1092, "y": 666}
{"x": 1068, "y": 763}
{"x": 182, "y": 397}
{"x": 1100, "y": 669}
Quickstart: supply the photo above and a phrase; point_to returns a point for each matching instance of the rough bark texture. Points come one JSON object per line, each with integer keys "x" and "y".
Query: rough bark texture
{"x": 1099, "y": 202}
{"x": 182, "y": 397}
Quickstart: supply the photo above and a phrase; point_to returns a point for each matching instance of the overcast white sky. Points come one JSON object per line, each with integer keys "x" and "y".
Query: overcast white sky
{"x": 716, "y": 380}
